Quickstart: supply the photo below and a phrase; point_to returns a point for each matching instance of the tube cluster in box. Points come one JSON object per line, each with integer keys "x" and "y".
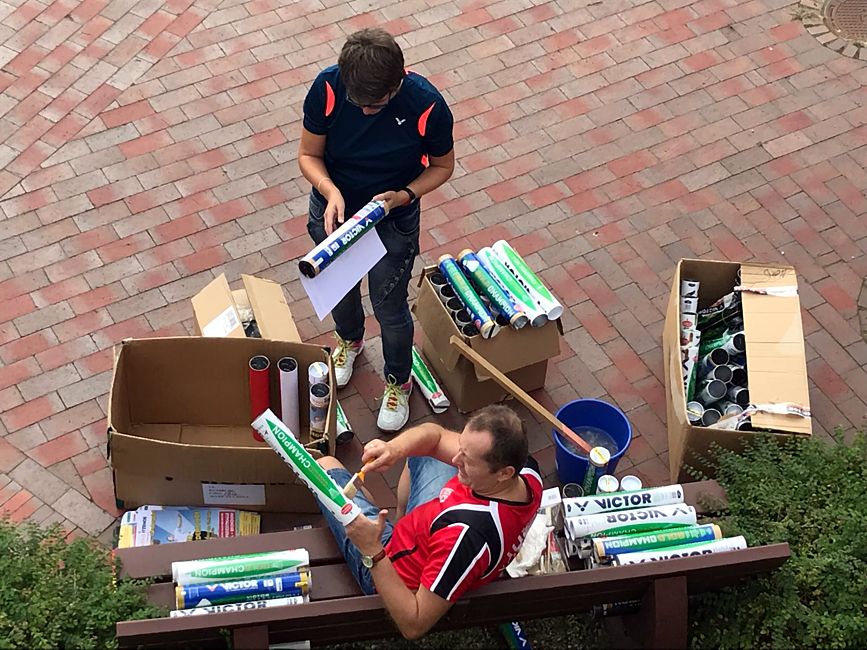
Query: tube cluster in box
{"x": 493, "y": 288}
{"x": 713, "y": 358}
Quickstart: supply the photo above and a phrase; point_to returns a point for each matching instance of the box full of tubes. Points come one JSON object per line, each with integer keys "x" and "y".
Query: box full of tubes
{"x": 733, "y": 345}
{"x": 492, "y": 300}
{"x": 615, "y": 527}
{"x": 241, "y": 582}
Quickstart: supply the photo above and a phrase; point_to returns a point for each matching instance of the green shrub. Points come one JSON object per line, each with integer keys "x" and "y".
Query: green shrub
{"x": 59, "y": 594}
{"x": 812, "y": 495}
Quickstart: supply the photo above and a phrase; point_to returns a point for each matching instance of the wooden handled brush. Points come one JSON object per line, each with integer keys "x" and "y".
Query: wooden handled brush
{"x": 349, "y": 490}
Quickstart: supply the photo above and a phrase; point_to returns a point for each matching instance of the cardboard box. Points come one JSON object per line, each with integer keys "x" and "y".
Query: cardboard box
{"x": 776, "y": 363}
{"x": 179, "y": 425}
{"x": 218, "y": 309}
{"x": 522, "y": 355}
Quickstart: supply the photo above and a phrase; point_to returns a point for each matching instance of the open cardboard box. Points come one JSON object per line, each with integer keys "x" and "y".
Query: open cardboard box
{"x": 776, "y": 363}
{"x": 522, "y": 355}
{"x": 179, "y": 425}
{"x": 218, "y": 309}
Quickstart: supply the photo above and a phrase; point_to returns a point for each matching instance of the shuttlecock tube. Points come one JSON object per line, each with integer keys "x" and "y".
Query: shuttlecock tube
{"x": 289, "y": 410}
{"x": 428, "y": 384}
{"x": 534, "y": 286}
{"x": 480, "y": 277}
{"x": 514, "y": 289}
{"x": 305, "y": 467}
{"x": 339, "y": 241}
{"x": 482, "y": 318}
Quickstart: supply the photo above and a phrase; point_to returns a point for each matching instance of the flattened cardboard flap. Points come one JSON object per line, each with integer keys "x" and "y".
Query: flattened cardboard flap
{"x": 271, "y": 310}
{"x": 215, "y": 310}
{"x": 776, "y": 361}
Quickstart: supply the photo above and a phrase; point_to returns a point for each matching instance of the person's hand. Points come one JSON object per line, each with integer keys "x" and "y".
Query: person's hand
{"x": 366, "y": 533}
{"x": 392, "y": 199}
{"x": 334, "y": 211}
{"x": 378, "y": 456}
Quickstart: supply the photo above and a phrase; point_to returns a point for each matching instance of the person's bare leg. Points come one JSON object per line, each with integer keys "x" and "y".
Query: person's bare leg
{"x": 330, "y": 462}
{"x": 403, "y": 491}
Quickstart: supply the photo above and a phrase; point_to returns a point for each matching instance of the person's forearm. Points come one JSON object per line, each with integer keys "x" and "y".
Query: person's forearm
{"x": 314, "y": 170}
{"x": 430, "y": 179}
{"x": 420, "y": 440}
{"x": 401, "y": 603}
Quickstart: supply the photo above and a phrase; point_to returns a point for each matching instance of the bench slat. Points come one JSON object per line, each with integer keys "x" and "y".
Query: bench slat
{"x": 530, "y": 597}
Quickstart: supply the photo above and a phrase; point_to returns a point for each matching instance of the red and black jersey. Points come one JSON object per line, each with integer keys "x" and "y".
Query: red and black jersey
{"x": 461, "y": 540}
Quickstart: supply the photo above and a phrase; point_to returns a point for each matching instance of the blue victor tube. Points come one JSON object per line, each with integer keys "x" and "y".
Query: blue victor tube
{"x": 295, "y": 583}
{"x": 339, "y": 241}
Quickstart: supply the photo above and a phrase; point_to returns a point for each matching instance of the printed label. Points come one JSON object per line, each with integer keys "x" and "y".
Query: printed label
{"x": 223, "y": 324}
{"x": 225, "y": 494}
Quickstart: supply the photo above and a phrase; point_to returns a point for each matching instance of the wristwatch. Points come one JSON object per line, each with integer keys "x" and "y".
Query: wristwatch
{"x": 370, "y": 560}
{"x": 410, "y": 193}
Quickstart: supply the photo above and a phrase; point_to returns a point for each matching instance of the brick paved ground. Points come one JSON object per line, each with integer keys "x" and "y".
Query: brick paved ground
{"x": 147, "y": 146}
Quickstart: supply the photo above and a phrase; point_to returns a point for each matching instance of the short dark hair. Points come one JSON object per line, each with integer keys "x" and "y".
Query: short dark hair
{"x": 509, "y": 447}
{"x": 371, "y": 64}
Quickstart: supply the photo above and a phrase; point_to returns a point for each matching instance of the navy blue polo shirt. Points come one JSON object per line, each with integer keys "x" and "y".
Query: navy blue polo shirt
{"x": 369, "y": 154}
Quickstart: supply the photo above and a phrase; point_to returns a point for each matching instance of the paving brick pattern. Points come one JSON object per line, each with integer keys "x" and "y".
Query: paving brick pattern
{"x": 146, "y": 147}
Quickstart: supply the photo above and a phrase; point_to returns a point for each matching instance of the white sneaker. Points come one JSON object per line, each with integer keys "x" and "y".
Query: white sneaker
{"x": 343, "y": 358}
{"x": 394, "y": 411}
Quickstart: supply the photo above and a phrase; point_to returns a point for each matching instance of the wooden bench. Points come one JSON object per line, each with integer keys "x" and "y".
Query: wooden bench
{"x": 339, "y": 612}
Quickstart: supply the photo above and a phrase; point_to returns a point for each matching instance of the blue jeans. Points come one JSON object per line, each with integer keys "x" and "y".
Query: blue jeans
{"x": 427, "y": 477}
{"x": 388, "y": 281}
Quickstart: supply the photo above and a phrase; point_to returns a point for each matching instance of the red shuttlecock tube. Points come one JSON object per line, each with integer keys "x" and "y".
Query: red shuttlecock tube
{"x": 260, "y": 388}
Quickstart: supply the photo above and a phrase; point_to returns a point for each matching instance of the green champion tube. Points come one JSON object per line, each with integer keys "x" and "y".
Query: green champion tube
{"x": 476, "y": 271}
{"x": 605, "y": 547}
{"x": 534, "y": 286}
{"x": 428, "y": 384}
{"x": 281, "y": 440}
{"x": 239, "y": 567}
{"x": 514, "y": 289}
{"x": 481, "y": 316}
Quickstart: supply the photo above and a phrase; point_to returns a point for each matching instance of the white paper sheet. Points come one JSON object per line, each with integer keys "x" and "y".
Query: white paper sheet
{"x": 329, "y": 287}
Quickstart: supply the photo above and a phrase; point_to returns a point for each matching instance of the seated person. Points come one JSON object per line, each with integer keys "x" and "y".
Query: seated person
{"x": 465, "y": 501}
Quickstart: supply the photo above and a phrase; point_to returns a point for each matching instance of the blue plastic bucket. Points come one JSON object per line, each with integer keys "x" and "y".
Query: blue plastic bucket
{"x": 571, "y": 468}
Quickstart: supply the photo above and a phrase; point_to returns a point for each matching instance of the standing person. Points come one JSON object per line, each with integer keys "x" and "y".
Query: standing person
{"x": 465, "y": 501}
{"x": 372, "y": 130}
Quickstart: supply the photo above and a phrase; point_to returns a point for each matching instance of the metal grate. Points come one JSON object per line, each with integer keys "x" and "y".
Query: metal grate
{"x": 847, "y": 19}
